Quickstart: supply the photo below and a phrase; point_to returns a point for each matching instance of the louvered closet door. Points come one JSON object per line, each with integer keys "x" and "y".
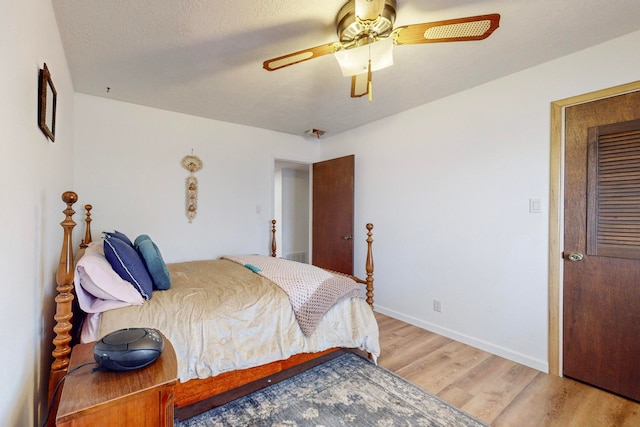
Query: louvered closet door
{"x": 601, "y": 324}
{"x": 613, "y": 224}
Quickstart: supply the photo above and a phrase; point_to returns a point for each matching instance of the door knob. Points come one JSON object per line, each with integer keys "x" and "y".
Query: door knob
{"x": 575, "y": 256}
{"x": 347, "y": 237}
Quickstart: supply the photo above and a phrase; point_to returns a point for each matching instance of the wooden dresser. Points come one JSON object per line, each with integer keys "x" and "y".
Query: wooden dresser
{"x": 143, "y": 397}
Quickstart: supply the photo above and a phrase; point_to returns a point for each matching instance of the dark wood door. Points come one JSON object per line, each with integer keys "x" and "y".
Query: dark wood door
{"x": 332, "y": 226}
{"x": 601, "y": 295}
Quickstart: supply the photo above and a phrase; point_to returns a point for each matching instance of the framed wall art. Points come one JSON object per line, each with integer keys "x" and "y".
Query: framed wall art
{"x": 47, "y": 104}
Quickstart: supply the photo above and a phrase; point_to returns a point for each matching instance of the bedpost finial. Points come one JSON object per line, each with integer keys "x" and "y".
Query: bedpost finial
{"x": 69, "y": 197}
{"x": 273, "y": 238}
{"x": 87, "y": 226}
{"x": 369, "y": 266}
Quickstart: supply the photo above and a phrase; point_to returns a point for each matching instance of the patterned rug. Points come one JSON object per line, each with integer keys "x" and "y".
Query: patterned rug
{"x": 346, "y": 391}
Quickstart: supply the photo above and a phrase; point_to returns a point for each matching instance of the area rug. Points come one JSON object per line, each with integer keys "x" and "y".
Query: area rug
{"x": 346, "y": 391}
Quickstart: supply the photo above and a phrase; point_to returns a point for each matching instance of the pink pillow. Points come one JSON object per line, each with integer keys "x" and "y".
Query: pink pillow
{"x": 98, "y": 287}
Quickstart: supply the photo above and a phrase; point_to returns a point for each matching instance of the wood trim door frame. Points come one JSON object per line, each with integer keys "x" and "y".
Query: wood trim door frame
{"x": 556, "y": 214}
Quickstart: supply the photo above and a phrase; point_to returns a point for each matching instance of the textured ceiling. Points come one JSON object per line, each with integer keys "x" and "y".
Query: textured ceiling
{"x": 204, "y": 57}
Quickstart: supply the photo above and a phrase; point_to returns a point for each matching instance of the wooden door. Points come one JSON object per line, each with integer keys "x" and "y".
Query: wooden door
{"x": 601, "y": 318}
{"x": 333, "y": 189}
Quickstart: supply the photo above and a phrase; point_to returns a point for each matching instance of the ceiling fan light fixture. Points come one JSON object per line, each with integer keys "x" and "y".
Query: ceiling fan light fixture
{"x": 356, "y": 60}
{"x": 366, "y": 36}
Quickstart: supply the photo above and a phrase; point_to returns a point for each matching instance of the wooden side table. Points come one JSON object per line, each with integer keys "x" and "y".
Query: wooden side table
{"x": 142, "y": 397}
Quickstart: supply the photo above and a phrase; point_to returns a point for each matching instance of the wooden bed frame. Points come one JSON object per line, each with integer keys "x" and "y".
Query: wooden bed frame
{"x": 196, "y": 395}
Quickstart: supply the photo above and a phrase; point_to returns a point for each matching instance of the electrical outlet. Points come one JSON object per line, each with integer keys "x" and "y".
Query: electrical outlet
{"x": 437, "y": 306}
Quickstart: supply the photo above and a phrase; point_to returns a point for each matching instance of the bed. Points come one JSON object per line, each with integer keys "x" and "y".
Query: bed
{"x": 216, "y": 363}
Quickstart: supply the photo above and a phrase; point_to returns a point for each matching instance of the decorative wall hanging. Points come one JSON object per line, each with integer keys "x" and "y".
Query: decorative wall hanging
{"x": 47, "y": 97}
{"x": 192, "y": 164}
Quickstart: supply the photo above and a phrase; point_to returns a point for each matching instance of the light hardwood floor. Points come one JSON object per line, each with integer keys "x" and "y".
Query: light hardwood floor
{"x": 496, "y": 390}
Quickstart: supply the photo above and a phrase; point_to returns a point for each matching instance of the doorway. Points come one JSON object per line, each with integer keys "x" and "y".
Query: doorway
{"x": 556, "y": 215}
{"x": 292, "y": 210}
{"x": 314, "y": 207}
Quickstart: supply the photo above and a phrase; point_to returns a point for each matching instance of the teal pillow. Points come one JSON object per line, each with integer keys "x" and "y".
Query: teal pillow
{"x": 253, "y": 268}
{"x": 140, "y": 238}
{"x": 127, "y": 263}
{"x": 152, "y": 258}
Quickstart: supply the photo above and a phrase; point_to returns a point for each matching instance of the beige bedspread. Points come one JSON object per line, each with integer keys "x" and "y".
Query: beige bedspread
{"x": 237, "y": 319}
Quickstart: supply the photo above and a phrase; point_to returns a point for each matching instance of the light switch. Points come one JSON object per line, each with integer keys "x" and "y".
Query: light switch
{"x": 535, "y": 206}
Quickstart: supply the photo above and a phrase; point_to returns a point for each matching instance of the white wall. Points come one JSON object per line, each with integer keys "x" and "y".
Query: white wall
{"x": 33, "y": 174}
{"x": 447, "y": 186}
{"x": 127, "y": 165}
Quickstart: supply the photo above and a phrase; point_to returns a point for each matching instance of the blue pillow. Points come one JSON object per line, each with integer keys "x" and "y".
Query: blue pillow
{"x": 119, "y": 235}
{"x": 152, "y": 258}
{"x": 127, "y": 263}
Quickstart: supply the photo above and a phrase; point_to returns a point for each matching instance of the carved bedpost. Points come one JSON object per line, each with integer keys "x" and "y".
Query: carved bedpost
{"x": 273, "y": 238}
{"x": 369, "y": 266}
{"x": 87, "y": 227}
{"x": 64, "y": 313}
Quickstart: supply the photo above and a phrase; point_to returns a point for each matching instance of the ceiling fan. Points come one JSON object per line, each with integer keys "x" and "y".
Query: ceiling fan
{"x": 366, "y": 35}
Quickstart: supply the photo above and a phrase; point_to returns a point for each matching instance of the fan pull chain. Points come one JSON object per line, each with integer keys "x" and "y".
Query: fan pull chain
{"x": 369, "y": 86}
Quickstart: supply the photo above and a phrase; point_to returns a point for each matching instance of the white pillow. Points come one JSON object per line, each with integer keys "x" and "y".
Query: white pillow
{"x": 96, "y": 246}
{"x": 98, "y": 287}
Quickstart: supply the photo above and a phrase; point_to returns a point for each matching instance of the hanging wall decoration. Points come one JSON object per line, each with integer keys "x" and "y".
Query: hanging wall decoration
{"x": 47, "y": 105}
{"x": 192, "y": 164}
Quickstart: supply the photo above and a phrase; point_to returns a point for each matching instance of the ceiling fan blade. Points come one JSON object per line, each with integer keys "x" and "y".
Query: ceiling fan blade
{"x": 369, "y": 10}
{"x": 303, "y": 55}
{"x": 359, "y": 85}
{"x": 451, "y": 30}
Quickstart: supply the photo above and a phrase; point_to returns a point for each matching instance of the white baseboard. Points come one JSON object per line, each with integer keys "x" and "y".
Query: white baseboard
{"x": 540, "y": 365}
